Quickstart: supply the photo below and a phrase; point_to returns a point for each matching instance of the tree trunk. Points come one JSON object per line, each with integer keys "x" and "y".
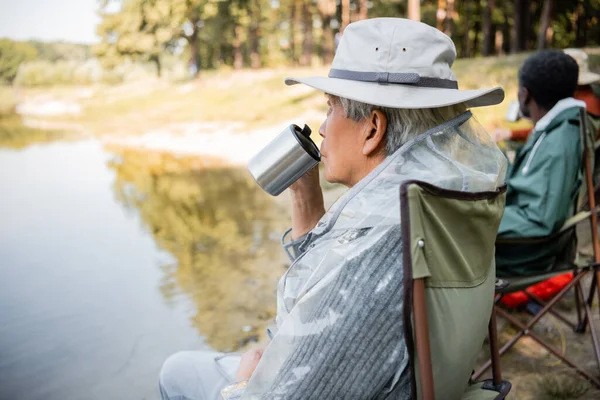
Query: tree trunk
{"x": 517, "y": 35}
{"x": 450, "y": 14}
{"x": 506, "y": 28}
{"x": 254, "y": 32}
{"x": 526, "y": 34}
{"x": 363, "y": 11}
{"x": 238, "y": 58}
{"x": 476, "y": 29}
{"x": 326, "y": 12}
{"x": 545, "y": 34}
{"x": 156, "y": 60}
{"x": 307, "y": 33}
{"x": 466, "y": 22}
{"x": 414, "y": 10}
{"x": 345, "y": 15}
{"x": 580, "y": 25}
{"x": 487, "y": 28}
{"x": 293, "y": 58}
{"x": 441, "y": 14}
{"x": 194, "y": 52}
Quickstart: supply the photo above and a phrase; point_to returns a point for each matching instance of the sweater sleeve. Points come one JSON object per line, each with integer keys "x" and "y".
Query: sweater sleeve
{"x": 292, "y": 246}
{"x": 362, "y": 351}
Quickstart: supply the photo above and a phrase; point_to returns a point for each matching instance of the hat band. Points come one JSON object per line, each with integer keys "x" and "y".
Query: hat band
{"x": 383, "y": 78}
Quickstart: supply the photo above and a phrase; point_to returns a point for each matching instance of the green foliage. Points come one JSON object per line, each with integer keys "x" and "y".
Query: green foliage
{"x": 44, "y": 73}
{"x": 61, "y": 51}
{"x": 8, "y": 101}
{"x": 12, "y": 55}
{"x": 141, "y": 30}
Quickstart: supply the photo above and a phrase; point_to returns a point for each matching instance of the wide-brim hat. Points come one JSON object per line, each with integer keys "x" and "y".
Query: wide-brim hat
{"x": 397, "y": 63}
{"x": 586, "y": 77}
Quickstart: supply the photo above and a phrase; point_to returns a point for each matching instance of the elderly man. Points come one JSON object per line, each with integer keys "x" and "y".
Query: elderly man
{"x": 544, "y": 179}
{"x": 395, "y": 114}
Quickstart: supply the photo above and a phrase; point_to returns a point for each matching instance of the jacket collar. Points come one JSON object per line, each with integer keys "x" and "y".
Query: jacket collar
{"x": 547, "y": 121}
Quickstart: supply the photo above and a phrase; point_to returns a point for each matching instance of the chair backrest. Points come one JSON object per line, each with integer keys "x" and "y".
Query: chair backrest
{"x": 448, "y": 258}
{"x": 559, "y": 251}
{"x": 588, "y": 137}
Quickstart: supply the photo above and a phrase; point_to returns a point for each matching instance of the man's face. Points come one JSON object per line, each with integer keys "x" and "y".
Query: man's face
{"x": 341, "y": 149}
{"x": 523, "y": 96}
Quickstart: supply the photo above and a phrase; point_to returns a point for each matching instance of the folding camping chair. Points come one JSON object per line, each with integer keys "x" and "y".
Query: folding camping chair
{"x": 449, "y": 271}
{"x": 567, "y": 260}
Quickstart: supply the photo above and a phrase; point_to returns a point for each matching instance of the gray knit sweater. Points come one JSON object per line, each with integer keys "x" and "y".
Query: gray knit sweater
{"x": 362, "y": 355}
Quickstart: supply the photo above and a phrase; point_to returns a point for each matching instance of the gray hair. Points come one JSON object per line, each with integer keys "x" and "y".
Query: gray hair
{"x": 402, "y": 124}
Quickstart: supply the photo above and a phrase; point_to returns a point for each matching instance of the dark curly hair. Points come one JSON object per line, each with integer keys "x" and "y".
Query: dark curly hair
{"x": 550, "y": 76}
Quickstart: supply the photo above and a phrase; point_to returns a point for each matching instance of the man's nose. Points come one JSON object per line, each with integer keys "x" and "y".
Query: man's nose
{"x": 322, "y": 129}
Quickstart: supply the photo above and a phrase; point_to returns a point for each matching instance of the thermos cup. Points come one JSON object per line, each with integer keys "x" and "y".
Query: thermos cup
{"x": 513, "y": 114}
{"x": 284, "y": 160}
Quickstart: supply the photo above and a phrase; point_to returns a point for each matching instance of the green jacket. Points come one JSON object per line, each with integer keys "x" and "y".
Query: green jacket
{"x": 543, "y": 183}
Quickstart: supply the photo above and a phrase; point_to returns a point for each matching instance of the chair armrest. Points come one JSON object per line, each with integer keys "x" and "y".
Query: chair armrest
{"x": 569, "y": 224}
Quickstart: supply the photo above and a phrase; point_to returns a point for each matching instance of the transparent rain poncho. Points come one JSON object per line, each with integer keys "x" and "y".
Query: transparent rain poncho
{"x": 317, "y": 340}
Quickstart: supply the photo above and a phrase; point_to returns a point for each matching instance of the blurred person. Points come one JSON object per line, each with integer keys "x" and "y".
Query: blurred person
{"x": 395, "y": 114}
{"x": 584, "y": 92}
{"x": 543, "y": 181}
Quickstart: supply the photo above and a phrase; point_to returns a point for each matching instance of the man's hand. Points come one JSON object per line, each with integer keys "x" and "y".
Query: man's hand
{"x": 308, "y": 183}
{"x": 501, "y": 134}
{"x": 248, "y": 364}
{"x": 307, "y": 203}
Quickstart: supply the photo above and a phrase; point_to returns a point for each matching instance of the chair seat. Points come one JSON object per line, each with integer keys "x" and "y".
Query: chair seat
{"x": 518, "y": 283}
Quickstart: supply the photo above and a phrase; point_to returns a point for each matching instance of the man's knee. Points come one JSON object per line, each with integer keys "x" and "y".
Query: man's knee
{"x": 178, "y": 377}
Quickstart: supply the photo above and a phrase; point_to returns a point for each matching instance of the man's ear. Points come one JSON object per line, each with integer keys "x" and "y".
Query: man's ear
{"x": 374, "y": 133}
{"x": 526, "y": 96}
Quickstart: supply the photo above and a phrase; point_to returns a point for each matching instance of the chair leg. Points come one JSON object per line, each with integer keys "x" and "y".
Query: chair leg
{"x": 593, "y": 332}
{"x": 597, "y": 276}
{"x": 526, "y": 329}
{"x": 495, "y": 356}
{"x": 500, "y": 352}
{"x": 579, "y": 300}
{"x": 554, "y": 351}
{"x": 558, "y": 315}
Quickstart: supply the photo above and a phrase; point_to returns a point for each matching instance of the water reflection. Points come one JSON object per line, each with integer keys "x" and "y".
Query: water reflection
{"x": 15, "y": 135}
{"x": 223, "y": 231}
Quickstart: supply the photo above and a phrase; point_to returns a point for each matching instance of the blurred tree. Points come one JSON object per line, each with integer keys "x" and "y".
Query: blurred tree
{"x": 345, "y": 11}
{"x": 61, "y": 51}
{"x": 466, "y": 25}
{"x": 520, "y": 9}
{"x": 487, "y": 27}
{"x": 363, "y": 9}
{"x": 307, "y": 33}
{"x": 545, "y": 32}
{"x": 12, "y": 55}
{"x": 414, "y": 10}
{"x": 141, "y": 30}
{"x": 441, "y": 14}
{"x": 451, "y": 16}
{"x": 257, "y": 33}
{"x": 327, "y": 12}
{"x": 292, "y": 30}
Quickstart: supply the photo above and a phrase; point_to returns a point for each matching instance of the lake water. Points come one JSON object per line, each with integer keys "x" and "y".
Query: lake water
{"x": 112, "y": 259}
